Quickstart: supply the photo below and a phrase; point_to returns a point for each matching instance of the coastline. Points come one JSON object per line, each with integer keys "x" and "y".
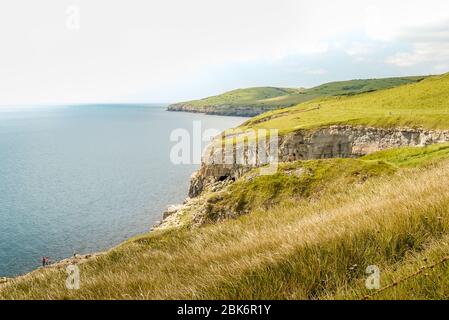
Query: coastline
{"x": 175, "y": 215}
{"x": 242, "y": 112}
{"x": 101, "y": 241}
{"x": 170, "y": 218}
{"x": 75, "y": 260}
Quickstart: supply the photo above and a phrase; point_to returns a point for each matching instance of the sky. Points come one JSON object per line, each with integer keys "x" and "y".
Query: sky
{"x": 117, "y": 51}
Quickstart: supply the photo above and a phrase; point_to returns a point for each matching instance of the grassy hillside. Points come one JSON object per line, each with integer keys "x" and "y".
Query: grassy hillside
{"x": 307, "y": 232}
{"x": 390, "y": 209}
{"x": 253, "y": 101}
{"x": 242, "y": 96}
{"x": 424, "y": 104}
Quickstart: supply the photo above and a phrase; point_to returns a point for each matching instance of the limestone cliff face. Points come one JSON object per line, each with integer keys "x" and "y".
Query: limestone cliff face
{"x": 348, "y": 141}
{"x": 181, "y": 107}
{"x": 330, "y": 142}
{"x": 223, "y": 110}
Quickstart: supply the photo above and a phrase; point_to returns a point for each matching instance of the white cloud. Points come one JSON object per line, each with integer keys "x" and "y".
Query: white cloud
{"x": 156, "y": 49}
{"x": 429, "y": 44}
{"x": 421, "y": 56}
{"x": 124, "y": 48}
{"x": 359, "y": 49}
{"x": 422, "y": 26}
{"x": 437, "y": 53}
{"x": 316, "y": 72}
{"x": 390, "y": 20}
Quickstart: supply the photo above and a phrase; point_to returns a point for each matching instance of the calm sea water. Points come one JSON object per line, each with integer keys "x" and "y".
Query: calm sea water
{"x": 84, "y": 178}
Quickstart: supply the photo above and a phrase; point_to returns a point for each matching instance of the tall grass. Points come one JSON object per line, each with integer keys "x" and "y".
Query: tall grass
{"x": 318, "y": 249}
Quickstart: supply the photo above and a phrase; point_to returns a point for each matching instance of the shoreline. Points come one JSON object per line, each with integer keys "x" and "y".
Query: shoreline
{"x": 169, "y": 219}
{"x": 156, "y": 221}
{"x": 75, "y": 260}
{"x": 214, "y": 113}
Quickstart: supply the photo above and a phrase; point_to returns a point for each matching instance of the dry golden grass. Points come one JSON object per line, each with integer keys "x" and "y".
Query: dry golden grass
{"x": 318, "y": 249}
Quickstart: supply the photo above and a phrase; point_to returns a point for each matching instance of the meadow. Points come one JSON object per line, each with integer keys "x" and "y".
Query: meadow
{"x": 253, "y": 101}
{"x": 390, "y": 209}
{"x": 418, "y": 105}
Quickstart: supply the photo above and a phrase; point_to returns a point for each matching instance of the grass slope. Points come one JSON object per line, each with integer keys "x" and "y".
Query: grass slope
{"x": 424, "y": 104}
{"x": 390, "y": 209}
{"x": 307, "y": 232}
{"x": 253, "y": 101}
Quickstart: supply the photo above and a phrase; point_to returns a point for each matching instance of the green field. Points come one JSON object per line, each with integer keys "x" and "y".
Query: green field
{"x": 424, "y": 104}
{"x": 308, "y": 232}
{"x": 254, "y": 101}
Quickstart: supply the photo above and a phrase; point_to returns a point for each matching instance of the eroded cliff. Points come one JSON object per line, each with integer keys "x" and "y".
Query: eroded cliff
{"x": 324, "y": 143}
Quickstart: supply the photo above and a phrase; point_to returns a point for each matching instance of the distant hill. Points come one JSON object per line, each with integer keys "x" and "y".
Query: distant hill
{"x": 424, "y": 105}
{"x": 254, "y": 101}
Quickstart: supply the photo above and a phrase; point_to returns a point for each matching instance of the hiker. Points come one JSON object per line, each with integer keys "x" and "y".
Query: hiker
{"x": 45, "y": 261}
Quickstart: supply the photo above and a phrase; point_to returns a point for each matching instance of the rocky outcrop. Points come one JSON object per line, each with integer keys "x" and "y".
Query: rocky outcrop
{"x": 330, "y": 142}
{"x": 171, "y": 210}
{"x": 348, "y": 141}
{"x": 222, "y": 110}
{"x": 181, "y": 107}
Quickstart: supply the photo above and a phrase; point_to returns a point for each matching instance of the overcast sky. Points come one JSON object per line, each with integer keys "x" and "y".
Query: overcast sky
{"x": 91, "y": 51}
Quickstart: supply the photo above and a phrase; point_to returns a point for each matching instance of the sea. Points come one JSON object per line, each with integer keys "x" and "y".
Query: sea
{"x": 84, "y": 178}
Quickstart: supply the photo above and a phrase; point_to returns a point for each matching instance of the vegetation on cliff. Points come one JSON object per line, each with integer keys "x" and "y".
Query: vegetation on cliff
{"x": 390, "y": 209}
{"x": 254, "y": 101}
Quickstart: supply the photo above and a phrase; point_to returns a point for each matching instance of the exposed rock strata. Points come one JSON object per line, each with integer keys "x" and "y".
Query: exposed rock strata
{"x": 330, "y": 142}
{"x": 223, "y": 110}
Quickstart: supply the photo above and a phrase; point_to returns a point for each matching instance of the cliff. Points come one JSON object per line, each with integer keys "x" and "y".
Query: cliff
{"x": 222, "y": 110}
{"x": 335, "y": 127}
{"x": 331, "y": 142}
{"x": 312, "y": 131}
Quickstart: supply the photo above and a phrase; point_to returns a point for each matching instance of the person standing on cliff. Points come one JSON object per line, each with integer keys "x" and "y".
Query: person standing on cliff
{"x": 44, "y": 261}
